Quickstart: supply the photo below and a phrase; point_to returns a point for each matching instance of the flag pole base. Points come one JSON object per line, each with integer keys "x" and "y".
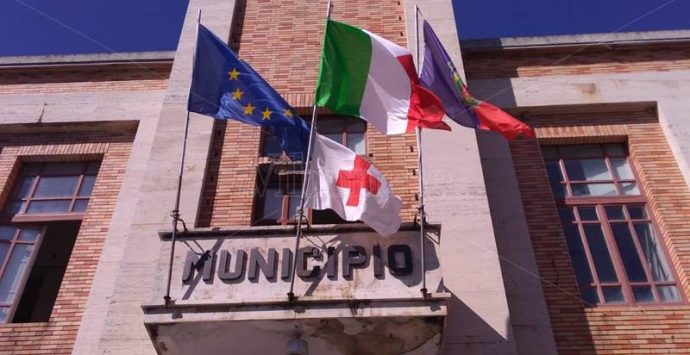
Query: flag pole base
{"x": 168, "y": 301}
{"x": 425, "y": 293}
{"x": 291, "y": 297}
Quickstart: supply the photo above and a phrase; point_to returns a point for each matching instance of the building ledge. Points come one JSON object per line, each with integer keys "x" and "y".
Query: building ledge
{"x": 121, "y": 127}
{"x": 247, "y": 231}
{"x": 298, "y": 306}
{"x": 70, "y": 60}
{"x": 235, "y": 283}
{"x": 581, "y": 40}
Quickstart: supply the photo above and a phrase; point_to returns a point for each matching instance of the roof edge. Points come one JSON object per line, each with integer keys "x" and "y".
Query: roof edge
{"x": 579, "y": 40}
{"x": 91, "y": 58}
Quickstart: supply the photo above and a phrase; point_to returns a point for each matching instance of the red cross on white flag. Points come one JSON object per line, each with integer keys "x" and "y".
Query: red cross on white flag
{"x": 348, "y": 184}
{"x": 357, "y": 179}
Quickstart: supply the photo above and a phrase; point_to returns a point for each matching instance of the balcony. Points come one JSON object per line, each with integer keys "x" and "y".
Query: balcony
{"x": 356, "y": 292}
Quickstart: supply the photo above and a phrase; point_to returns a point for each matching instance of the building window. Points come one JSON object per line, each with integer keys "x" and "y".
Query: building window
{"x": 613, "y": 242}
{"x": 51, "y": 189}
{"x": 349, "y": 131}
{"x": 279, "y": 189}
{"x": 38, "y": 229}
{"x": 17, "y": 248}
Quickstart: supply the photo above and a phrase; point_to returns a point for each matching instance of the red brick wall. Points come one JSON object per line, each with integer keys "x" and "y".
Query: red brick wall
{"x": 607, "y": 329}
{"x": 570, "y": 61}
{"x": 85, "y": 78}
{"x": 57, "y": 336}
{"x": 286, "y": 53}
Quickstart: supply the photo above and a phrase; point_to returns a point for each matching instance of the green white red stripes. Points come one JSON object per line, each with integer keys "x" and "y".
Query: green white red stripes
{"x": 365, "y": 75}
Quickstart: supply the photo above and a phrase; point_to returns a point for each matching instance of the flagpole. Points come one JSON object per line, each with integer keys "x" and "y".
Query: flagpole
{"x": 176, "y": 211}
{"x": 305, "y": 181}
{"x": 422, "y": 215}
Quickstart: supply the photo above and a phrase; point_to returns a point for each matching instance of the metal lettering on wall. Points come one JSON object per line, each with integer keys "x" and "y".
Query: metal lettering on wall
{"x": 309, "y": 263}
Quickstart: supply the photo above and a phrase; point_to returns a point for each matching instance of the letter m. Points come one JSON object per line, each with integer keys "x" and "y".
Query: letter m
{"x": 197, "y": 262}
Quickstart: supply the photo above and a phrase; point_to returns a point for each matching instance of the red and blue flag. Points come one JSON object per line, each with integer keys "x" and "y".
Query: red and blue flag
{"x": 440, "y": 77}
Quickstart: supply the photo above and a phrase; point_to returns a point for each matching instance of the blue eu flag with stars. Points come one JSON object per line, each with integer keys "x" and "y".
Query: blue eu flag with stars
{"x": 225, "y": 87}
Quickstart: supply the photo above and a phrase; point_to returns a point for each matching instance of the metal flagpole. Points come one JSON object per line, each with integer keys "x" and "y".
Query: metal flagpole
{"x": 176, "y": 212}
{"x": 305, "y": 181}
{"x": 422, "y": 215}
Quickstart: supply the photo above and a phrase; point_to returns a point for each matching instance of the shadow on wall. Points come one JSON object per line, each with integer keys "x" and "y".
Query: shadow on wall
{"x": 566, "y": 309}
{"x": 208, "y": 200}
{"x": 466, "y": 332}
{"x": 517, "y": 188}
{"x": 524, "y": 294}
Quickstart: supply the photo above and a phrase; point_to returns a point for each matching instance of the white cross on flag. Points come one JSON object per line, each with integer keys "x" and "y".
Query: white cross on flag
{"x": 347, "y": 183}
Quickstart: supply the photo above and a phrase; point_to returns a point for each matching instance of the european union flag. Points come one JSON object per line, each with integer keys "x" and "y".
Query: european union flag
{"x": 225, "y": 87}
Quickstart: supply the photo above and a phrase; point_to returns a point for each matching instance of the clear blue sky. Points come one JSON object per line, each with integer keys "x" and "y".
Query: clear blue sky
{"x": 34, "y": 27}
{"x": 512, "y": 18}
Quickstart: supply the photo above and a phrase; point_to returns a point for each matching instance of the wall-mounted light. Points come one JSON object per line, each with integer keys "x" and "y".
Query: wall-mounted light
{"x": 297, "y": 346}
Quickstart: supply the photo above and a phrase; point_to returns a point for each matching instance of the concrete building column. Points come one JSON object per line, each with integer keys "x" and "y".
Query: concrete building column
{"x": 118, "y": 328}
{"x": 478, "y": 319}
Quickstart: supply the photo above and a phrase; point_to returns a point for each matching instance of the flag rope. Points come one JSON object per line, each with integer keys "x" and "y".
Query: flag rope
{"x": 305, "y": 180}
{"x": 176, "y": 211}
{"x": 422, "y": 214}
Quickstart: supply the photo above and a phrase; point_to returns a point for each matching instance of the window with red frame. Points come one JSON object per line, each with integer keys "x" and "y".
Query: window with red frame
{"x": 51, "y": 189}
{"x": 278, "y": 193}
{"x": 38, "y": 228}
{"x": 348, "y": 131}
{"x": 613, "y": 242}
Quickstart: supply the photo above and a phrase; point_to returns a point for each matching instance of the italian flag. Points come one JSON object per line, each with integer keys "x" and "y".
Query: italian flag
{"x": 367, "y": 76}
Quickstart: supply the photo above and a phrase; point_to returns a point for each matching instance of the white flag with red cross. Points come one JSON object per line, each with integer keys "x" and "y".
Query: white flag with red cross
{"x": 349, "y": 185}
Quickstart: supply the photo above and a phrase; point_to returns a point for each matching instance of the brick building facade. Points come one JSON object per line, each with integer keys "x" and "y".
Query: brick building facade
{"x": 597, "y": 90}
{"x": 504, "y": 264}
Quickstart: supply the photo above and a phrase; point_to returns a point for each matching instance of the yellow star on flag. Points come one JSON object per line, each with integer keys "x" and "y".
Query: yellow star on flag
{"x": 237, "y": 94}
{"x": 287, "y": 113}
{"x": 249, "y": 109}
{"x": 234, "y": 74}
{"x": 456, "y": 76}
{"x": 266, "y": 114}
